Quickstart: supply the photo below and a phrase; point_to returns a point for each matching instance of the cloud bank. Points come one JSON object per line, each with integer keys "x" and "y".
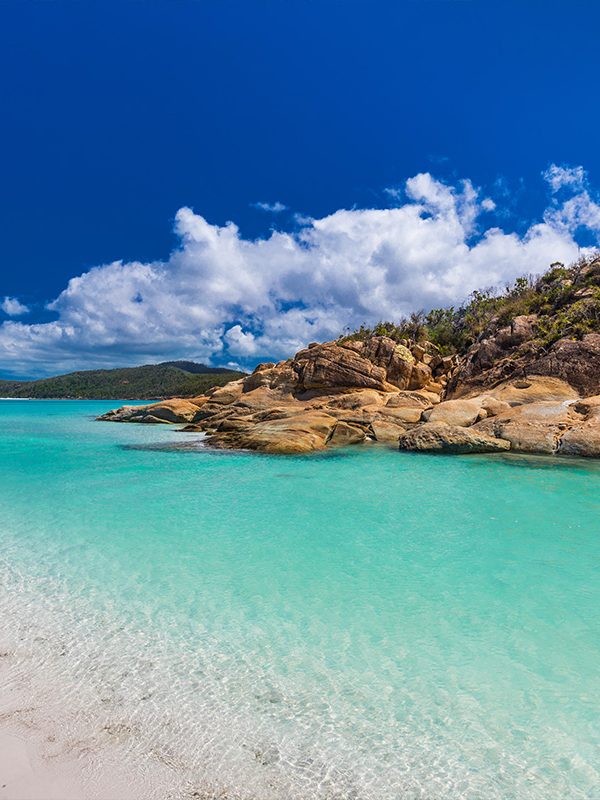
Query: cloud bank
{"x": 222, "y": 298}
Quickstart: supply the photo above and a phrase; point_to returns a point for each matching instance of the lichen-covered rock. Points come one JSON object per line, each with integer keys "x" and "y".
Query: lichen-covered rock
{"x": 442, "y": 438}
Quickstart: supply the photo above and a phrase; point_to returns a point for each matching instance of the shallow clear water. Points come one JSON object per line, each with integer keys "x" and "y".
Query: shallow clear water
{"x": 359, "y": 624}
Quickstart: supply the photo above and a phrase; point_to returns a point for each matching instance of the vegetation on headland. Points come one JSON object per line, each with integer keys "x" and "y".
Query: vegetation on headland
{"x": 566, "y": 301}
{"x": 149, "y": 382}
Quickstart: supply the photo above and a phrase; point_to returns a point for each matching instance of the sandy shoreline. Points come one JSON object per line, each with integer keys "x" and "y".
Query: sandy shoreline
{"x": 33, "y": 766}
{"x": 42, "y": 759}
{"x": 26, "y": 775}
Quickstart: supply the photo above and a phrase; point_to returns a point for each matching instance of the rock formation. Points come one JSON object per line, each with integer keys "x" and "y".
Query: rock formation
{"x": 505, "y": 393}
{"x": 331, "y": 394}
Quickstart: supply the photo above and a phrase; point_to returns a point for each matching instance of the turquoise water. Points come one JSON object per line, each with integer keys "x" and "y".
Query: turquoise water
{"x": 362, "y": 624}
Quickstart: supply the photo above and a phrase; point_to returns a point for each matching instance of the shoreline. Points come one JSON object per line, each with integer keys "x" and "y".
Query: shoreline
{"x": 31, "y": 770}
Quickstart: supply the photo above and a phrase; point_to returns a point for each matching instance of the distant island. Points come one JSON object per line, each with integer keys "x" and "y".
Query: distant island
{"x": 148, "y": 382}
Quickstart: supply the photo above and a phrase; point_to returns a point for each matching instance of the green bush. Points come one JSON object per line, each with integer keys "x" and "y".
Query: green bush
{"x": 554, "y": 297}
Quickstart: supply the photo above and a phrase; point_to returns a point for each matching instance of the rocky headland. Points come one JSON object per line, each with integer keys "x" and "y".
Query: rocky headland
{"x": 518, "y": 384}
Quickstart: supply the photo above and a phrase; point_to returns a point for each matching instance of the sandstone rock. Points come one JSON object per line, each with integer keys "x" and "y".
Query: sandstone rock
{"x": 442, "y": 438}
{"x": 386, "y": 431}
{"x": 404, "y": 415}
{"x": 329, "y": 366}
{"x": 228, "y": 393}
{"x": 533, "y": 427}
{"x": 408, "y": 400}
{"x": 264, "y": 398}
{"x": 272, "y": 376}
{"x": 456, "y": 412}
{"x": 166, "y": 411}
{"x": 576, "y": 362}
{"x": 582, "y": 440}
{"x": 533, "y": 389}
{"x": 396, "y": 359}
{"x": 418, "y": 352}
{"x": 493, "y": 406}
{"x": 345, "y": 434}
{"x": 420, "y": 376}
{"x": 301, "y": 433}
{"x": 357, "y": 399}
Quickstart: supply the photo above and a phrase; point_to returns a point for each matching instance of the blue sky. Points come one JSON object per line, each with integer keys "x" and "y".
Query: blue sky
{"x": 116, "y": 115}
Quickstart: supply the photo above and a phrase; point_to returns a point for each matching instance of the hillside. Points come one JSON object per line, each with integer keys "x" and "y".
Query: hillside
{"x": 181, "y": 378}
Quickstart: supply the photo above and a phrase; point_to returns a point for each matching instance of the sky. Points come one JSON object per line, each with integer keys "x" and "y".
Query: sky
{"x": 227, "y": 180}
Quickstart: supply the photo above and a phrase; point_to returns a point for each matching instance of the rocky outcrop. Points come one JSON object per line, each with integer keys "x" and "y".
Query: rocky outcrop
{"x": 457, "y": 412}
{"x": 576, "y": 362}
{"x": 331, "y": 394}
{"x": 513, "y": 354}
{"x": 441, "y": 438}
{"x": 176, "y": 410}
{"x": 533, "y": 427}
{"x": 354, "y": 392}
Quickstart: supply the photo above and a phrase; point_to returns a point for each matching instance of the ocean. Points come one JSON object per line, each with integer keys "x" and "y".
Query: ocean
{"x": 360, "y": 624}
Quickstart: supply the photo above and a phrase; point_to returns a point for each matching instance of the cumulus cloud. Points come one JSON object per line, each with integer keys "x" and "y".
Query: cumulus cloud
{"x": 580, "y": 210}
{"x": 558, "y": 177}
{"x": 273, "y": 208}
{"x": 13, "y": 307}
{"x": 221, "y": 297}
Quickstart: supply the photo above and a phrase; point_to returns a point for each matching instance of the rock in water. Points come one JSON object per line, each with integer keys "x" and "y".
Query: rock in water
{"x": 442, "y": 438}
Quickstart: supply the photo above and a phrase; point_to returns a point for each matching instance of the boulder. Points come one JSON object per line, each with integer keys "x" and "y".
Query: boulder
{"x": 420, "y": 376}
{"x": 345, "y": 434}
{"x": 583, "y": 439}
{"x": 533, "y": 389}
{"x": 521, "y": 329}
{"x": 301, "y": 433}
{"x": 576, "y": 362}
{"x": 417, "y": 399}
{"x": 404, "y": 415}
{"x": 456, "y": 412}
{"x": 331, "y": 366}
{"x": 386, "y": 431}
{"x": 166, "y": 411}
{"x": 357, "y": 399}
{"x": 228, "y": 393}
{"x": 493, "y": 406}
{"x": 533, "y": 427}
{"x": 442, "y": 438}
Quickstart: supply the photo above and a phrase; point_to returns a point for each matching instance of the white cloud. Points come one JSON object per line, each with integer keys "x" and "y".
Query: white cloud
{"x": 240, "y": 343}
{"x": 273, "y": 208}
{"x": 560, "y": 177}
{"x": 578, "y": 211}
{"x": 220, "y": 297}
{"x": 13, "y": 307}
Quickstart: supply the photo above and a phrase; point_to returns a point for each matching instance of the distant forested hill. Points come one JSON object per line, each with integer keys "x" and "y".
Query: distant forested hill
{"x": 169, "y": 379}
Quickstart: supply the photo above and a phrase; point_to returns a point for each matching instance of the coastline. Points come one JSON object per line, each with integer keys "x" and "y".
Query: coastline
{"x": 42, "y": 757}
{"x": 32, "y": 770}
